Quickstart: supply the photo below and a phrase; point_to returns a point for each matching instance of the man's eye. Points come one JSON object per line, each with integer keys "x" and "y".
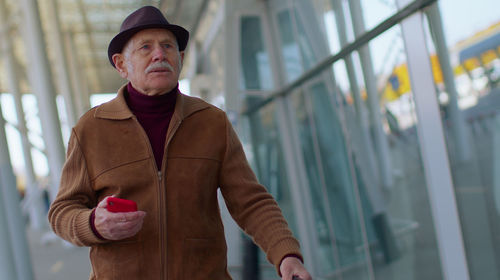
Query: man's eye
{"x": 167, "y": 46}
{"x": 145, "y": 47}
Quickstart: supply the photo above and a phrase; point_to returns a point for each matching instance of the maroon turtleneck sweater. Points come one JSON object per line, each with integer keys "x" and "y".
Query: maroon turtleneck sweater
{"x": 154, "y": 114}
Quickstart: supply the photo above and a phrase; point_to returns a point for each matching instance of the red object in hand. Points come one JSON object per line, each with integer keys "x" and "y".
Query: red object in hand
{"x": 116, "y": 204}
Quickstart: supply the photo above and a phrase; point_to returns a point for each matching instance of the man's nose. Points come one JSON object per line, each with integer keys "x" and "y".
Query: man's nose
{"x": 158, "y": 53}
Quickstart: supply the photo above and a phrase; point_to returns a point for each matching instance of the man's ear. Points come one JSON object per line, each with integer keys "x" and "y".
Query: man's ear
{"x": 119, "y": 61}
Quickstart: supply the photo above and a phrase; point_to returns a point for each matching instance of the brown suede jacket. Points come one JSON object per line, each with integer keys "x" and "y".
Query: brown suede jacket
{"x": 182, "y": 235}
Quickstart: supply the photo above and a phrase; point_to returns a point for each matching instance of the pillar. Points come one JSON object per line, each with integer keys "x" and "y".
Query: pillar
{"x": 293, "y": 158}
{"x": 43, "y": 87}
{"x": 462, "y": 147}
{"x": 370, "y": 167}
{"x": 380, "y": 138}
{"x": 80, "y": 86}
{"x": 7, "y": 266}
{"x": 11, "y": 210}
{"x": 33, "y": 193}
{"x": 233, "y": 105}
{"x": 62, "y": 63}
{"x": 433, "y": 150}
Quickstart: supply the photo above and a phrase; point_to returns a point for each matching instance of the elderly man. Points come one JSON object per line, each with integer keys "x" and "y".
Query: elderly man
{"x": 169, "y": 153}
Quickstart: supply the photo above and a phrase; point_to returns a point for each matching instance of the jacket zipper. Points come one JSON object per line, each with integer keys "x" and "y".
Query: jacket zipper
{"x": 160, "y": 214}
{"x": 163, "y": 253}
{"x": 163, "y": 225}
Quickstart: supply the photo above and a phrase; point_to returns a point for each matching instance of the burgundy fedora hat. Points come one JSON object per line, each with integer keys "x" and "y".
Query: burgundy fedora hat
{"x": 144, "y": 18}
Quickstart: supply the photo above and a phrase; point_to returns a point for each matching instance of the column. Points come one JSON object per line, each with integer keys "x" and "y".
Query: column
{"x": 42, "y": 85}
{"x": 10, "y": 208}
{"x": 433, "y": 150}
{"x": 369, "y": 168}
{"x": 462, "y": 146}
{"x": 33, "y": 195}
{"x": 233, "y": 234}
{"x": 380, "y": 139}
{"x": 292, "y": 154}
{"x": 7, "y": 266}
{"x": 62, "y": 62}
{"x": 80, "y": 85}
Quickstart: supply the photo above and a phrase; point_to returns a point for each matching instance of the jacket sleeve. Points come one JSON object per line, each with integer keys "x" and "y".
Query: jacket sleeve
{"x": 252, "y": 206}
{"x": 69, "y": 213}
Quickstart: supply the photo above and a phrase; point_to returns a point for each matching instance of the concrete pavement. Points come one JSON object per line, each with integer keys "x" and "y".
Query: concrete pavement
{"x": 53, "y": 259}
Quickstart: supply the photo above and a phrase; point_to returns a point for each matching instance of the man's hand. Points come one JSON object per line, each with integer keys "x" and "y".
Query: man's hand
{"x": 291, "y": 268}
{"x": 117, "y": 226}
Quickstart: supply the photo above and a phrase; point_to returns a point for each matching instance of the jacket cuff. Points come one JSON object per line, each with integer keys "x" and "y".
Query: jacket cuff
{"x": 285, "y": 248}
{"x": 86, "y": 235}
{"x": 92, "y": 225}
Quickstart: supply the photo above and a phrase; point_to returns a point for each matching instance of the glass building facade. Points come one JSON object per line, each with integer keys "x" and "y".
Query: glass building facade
{"x": 341, "y": 138}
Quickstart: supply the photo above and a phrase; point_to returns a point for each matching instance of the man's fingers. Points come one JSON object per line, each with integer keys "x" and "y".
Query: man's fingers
{"x": 136, "y": 215}
{"x": 125, "y": 230}
{"x": 132, "y": 218}
{"x": 116, "y": 226}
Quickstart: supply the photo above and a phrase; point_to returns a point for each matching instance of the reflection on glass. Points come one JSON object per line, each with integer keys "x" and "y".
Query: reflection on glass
{"x": 267, "y": 161}
{"x": 336, "y": 208}
{"x": 406, "y": 205}
{"x": 296, "y": 47}
{"x": 255, "y": 60}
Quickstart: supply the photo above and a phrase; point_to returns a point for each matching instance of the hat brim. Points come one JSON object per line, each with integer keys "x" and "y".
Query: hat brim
{"x": 118, "y": 42}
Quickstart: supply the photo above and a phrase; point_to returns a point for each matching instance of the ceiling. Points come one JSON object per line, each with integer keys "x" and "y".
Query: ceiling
{"x": 89, "y": 25}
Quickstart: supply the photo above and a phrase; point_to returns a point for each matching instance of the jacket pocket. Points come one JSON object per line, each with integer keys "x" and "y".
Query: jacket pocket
{"x": 204, "y": 259}
{"x": 117, "y": 260}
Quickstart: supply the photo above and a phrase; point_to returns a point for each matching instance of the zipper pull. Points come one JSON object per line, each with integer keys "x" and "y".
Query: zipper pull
{"x": 159, "y": 176}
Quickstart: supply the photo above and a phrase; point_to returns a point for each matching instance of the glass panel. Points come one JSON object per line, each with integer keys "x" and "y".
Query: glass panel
{"x": 338, "y": 221}
{"x": 256, "y": 72}
{"x": 290, "y": 49}
{"x": 296, "y": 46}
{"x": 398, "y": 218}
{"x": 268, "y": 158}
{"x": 373, "y": 12}
{"x": 398, "y": 221}
{"x": 468, "y": 95}
{"x": 268, "y": 163}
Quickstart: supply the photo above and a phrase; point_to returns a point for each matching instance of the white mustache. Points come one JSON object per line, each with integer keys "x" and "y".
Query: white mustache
{"x": 159, "y": 65}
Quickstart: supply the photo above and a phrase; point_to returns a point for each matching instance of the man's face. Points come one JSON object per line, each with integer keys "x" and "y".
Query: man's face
{"x": 151, "y": 61}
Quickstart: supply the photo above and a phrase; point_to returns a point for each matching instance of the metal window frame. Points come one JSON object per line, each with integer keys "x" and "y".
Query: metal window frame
{"x": 433, "y": 150}
{"x": 343, "y": 53}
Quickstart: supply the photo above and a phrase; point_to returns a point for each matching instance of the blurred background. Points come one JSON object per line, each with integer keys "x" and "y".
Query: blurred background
{"x": 372, "y": 122}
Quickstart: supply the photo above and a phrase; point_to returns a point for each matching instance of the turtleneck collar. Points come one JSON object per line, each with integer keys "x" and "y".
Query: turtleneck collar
{"x": 139, "y": 102}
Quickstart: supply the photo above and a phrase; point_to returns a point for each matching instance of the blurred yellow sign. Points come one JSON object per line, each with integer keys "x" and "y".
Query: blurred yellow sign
{"x": 399, "y": 81}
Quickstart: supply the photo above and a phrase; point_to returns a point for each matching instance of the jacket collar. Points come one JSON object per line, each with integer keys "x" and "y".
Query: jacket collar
{"x": 117, "y": 108}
